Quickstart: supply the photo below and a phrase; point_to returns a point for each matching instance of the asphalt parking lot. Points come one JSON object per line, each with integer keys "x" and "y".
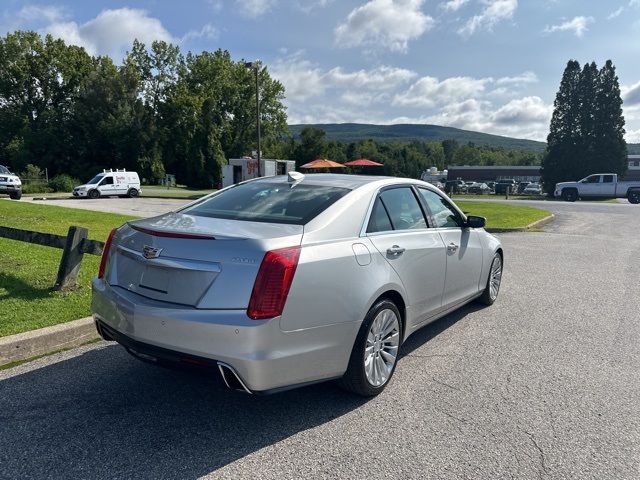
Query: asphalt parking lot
{"x": 140, "y": 206}
{"x": 544, "y": 384}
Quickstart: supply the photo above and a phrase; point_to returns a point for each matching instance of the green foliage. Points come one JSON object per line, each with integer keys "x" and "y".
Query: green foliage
{"x": 587, "y": 127}
{"x": 159, "y": 112}
{"x": 63, "y": 183}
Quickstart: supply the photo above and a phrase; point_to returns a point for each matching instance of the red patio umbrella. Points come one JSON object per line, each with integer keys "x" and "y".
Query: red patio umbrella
{"x": 322, "y": 163}
{"x": 363, "y": 162}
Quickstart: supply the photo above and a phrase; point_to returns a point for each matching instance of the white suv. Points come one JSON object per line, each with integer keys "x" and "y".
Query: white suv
{"x": 10, "y": 184}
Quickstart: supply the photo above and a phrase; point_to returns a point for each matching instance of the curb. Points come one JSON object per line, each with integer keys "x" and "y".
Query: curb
{"x": 23, "y": 346}
{"x": 537, "y": 223}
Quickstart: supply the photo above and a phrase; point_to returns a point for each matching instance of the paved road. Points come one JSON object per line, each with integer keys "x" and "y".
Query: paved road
{"x": 141, "y": 207}
{"x": 544, "y": 384}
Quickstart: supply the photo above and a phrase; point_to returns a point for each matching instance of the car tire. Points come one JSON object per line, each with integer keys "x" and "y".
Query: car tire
{"x": 494, "y": 279}
{"x": 569, "y": 195}
{"x": 15, "y": 196}
{"x": 634, "y": 197}
{"x": 375, "y": 351}
{"x": 93, "y": 194}
{"x": 132, "y": 193}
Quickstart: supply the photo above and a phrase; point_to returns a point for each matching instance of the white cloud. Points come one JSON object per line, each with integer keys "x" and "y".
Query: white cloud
{"x": 453, "y": 5}
{"x": 390, "y": 24}
{"x": 429, "y": 91}
{"x": 37, "y": 13}
{"x": 523, "y": 111}
{"x": 308, "y": 6}
{"x": 303, "y": 79}
{"x": 110, "y": 33}
{"x": 631, "y": 94}
{"x": 615, "y": 13}
{"x": 494, "y": 12}
{"x": 207, "y": 32}
{"x": 255, "y": 8}
{"x": 525, "y": 77}
{"x": 577, "y": 25}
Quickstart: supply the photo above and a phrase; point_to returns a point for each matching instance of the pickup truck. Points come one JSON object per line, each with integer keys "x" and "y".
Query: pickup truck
{"x": 599, "y": 185}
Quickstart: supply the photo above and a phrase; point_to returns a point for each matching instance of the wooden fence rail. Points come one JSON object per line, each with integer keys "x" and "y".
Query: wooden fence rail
{"x": 74, "y": 246}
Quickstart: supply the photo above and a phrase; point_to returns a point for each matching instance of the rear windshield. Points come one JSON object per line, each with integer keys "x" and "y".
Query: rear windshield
{"x": 269, "y": 202}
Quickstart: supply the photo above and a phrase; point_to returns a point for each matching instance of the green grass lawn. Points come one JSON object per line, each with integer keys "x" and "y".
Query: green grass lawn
{"x": 28, "y": 272}
{"x": 501, "y": 215}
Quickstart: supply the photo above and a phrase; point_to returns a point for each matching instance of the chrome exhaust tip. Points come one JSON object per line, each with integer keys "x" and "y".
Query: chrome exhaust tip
{"x": 231, "y": 379}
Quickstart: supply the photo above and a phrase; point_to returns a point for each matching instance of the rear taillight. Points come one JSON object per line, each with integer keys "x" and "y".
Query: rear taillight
{"x": 272, "y": 284}
{"x": 105, "y": 253}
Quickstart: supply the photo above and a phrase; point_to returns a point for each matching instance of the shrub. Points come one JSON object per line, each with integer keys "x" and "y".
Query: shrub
{"x": 63, "y": 183}
{"x": 36, "y": 187}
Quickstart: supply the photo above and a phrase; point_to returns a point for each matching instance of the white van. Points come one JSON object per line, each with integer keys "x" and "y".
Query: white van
{"x": 109, "y": 182}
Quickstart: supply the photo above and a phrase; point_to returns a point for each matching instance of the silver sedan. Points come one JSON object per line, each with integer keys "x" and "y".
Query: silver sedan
{"x": 285, "y": 281}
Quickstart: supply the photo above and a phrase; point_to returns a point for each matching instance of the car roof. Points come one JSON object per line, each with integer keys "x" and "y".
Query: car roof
{"x": 340, "y": 180}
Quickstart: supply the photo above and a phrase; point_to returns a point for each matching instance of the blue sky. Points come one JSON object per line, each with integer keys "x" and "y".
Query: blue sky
{"x": 485, "y": 65}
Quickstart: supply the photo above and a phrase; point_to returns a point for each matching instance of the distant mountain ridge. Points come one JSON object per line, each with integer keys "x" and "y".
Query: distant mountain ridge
{"x": 353, "y": 132}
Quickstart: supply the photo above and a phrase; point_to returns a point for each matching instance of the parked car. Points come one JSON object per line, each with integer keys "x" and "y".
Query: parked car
{"x": 522, "y": 186}
{"x": 10, "y": 184}
{"x": 504, "y": 186}
{"x": 455, "y": 186}
{"x": 110, "y": 183}
{"x": 491, "y": 185}
{"x": 600, "y": 185}
{"x": 533, "y": 189}
{"x": 284, "y": 281}
{"x": 479, "y": 188}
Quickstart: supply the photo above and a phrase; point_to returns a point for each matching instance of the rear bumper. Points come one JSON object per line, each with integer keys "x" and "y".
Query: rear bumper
{"x": 264, "y": 357}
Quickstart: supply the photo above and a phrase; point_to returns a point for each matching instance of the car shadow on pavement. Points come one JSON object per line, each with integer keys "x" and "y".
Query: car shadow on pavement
{"x": 103, "y": 414}
{"x": 432, "y": 330}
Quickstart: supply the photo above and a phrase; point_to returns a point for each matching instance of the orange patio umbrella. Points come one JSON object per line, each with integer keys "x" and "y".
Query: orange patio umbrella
{"x": 322, "y": 163}
{"x": 363, "y": 162}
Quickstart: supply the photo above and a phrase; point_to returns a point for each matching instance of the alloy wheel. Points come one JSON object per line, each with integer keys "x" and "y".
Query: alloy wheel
{"x": 381, "y": 349}
{"x": 495, "y": 277}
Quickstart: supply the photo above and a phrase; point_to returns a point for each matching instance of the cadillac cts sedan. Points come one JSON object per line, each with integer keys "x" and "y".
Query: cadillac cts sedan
{"x": 284, "y": 281}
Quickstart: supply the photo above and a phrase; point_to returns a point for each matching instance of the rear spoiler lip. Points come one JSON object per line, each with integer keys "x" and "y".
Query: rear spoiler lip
{"x": 172, "y": 234}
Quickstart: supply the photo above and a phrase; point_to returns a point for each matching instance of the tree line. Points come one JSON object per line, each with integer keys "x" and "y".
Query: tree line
{"x": 158, "y": 111}
{"x": 586, "y": 134}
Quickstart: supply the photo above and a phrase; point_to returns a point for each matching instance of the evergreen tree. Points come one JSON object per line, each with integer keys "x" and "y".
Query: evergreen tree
{"x": 610, "y": 147}
{"x": 586, "y": 134}
{"x": 563, "y": 131}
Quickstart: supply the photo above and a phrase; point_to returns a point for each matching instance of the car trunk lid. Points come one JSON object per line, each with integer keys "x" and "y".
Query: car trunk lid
{"x": 195, "y": 261}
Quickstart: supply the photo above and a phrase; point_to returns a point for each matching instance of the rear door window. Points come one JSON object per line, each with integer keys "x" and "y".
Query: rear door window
{"x": 607, "y": 179}
{"x": 403, "y": 208}
{"x": 269, "y": 202}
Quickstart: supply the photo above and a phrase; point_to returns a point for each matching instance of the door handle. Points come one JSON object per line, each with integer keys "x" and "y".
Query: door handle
{"x": 395, "y": 250}
{"x": 452, "y": 247}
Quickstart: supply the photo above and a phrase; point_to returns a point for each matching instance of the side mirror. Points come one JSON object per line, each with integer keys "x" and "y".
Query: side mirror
{"x": 475, "y": 222}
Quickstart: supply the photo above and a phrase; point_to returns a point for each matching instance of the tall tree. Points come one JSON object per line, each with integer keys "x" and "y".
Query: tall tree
{"x": 564, "y": 131}
{"x": 587, "y": 127}
{"x": 610, "y": 151}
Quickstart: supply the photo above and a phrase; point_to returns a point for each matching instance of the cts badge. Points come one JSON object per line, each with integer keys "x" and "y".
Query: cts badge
{"x": 150, "y": 252}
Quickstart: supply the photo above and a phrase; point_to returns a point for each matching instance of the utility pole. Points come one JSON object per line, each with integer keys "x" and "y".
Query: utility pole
{"x": 255, "y": 66}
